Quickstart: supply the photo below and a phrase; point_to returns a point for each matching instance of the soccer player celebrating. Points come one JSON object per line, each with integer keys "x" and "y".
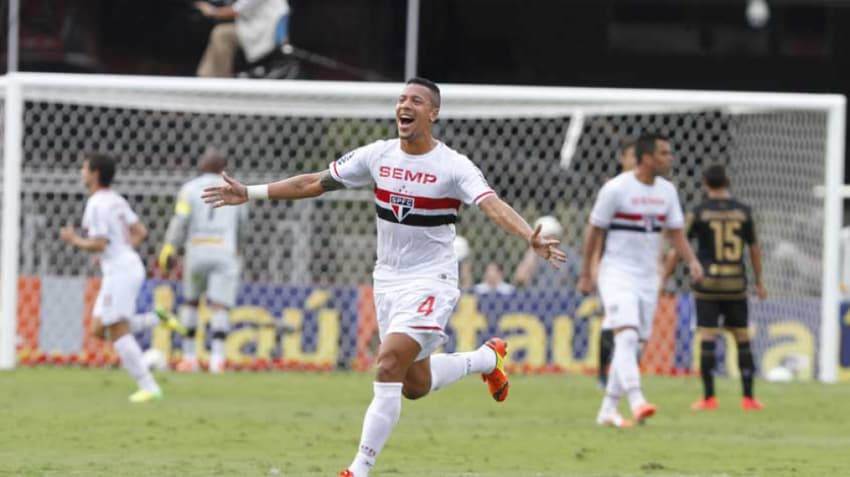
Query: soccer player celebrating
{"x": 113, "y": 230}
{"x": 419, "y": 184}
{"x": 634, "y": 208}
{"x": 212, "y": 264}
{"x": 722, "y": 226}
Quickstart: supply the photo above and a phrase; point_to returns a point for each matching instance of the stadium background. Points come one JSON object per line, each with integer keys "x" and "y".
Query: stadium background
{"x": 707, "y": 45}
{"x": 75, "y": 421}
{"x": 619, "y": 43}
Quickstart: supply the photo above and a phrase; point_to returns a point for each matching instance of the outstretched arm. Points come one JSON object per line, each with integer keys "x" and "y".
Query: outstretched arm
{"x": 302, "y": 186}
{"x": 510, "y": 221}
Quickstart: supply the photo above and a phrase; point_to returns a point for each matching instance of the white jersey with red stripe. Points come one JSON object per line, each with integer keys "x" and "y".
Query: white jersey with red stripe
{"x": 109, "y": 216}
{"x": 634, "y": 214}
{"x": 417, "y": 198}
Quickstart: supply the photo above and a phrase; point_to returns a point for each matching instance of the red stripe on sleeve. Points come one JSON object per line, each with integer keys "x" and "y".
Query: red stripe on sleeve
{"x": 482, "y": 195}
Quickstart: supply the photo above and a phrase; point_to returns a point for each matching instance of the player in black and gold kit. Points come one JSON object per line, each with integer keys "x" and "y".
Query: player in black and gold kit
{"x": 723, "y": 227}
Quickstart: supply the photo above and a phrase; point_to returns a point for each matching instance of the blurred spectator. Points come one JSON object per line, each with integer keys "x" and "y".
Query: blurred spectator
{"x": 461, "y": 246}
{"x": 494, "y": 281}
{"x": 257, "y": 26}
{"x": 534, "y": 272}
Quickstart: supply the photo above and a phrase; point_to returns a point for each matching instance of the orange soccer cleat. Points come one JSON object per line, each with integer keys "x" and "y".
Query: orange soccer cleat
{"x": 346, "y": 473}
{"x": 750, "y": 404}
{"x": 643, "y": 412}
{"x": 497, "y": 380}
{"x": 705, "y": 404}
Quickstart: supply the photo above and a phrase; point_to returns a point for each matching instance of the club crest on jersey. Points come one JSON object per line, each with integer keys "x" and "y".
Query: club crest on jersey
{"x": 402, "y": 206}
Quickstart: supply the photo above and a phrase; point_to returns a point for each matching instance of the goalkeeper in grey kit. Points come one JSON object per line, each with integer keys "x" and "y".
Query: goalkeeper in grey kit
{"x": 212, "y": 264}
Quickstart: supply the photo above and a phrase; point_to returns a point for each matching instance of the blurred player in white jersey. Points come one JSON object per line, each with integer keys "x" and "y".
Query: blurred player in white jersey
{"x": 628, "y": 161}
{"x": 113, "y": 230}
{"x": 633, "y": 208}
{"x": 419, "y": 185}
{"x": 212, "y": 264}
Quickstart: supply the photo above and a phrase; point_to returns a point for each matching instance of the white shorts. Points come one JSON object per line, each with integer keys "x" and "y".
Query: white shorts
{"x": 213, "y": 273}
{"x": 116, "y": 299}
{"x": 419, "y": 309}
{"x": 626, "y": 304}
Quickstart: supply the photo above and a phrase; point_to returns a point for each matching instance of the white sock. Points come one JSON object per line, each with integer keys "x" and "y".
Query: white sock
{"x": 613, "y": 393}
{"x": 131, "y": 358}
{"x": 189, "y": 319}
{"x": 448, "y": 368}
{"x": 626, "y": 365}
{"x": 381, "y": 417}
{"x": 139, "y": 323}
{"x": 217, "y": 353}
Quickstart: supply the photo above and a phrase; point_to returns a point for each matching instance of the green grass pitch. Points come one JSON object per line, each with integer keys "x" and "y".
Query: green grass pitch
{"x": 76, "y": 422}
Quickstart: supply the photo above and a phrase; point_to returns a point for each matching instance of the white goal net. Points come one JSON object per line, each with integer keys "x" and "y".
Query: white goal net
{"x": 307, "y": 264}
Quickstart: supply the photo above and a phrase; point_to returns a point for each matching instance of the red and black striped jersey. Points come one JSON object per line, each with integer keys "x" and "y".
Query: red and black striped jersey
{"x": 417, "y": 198}
{"x": 634, "y": 214}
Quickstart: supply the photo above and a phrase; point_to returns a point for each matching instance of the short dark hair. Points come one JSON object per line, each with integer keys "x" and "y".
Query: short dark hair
{"x": 626, "y": 144}
{"x": 645, "y": 144}
{"x": 432, "y": 87}
{"x": 213, "y": 161}
{"x": 104, "y": 164}
{"x": 715, "y": 176}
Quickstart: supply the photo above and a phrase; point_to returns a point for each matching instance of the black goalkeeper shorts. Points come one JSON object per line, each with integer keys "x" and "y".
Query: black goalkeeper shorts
{"x": 735, "y": 313}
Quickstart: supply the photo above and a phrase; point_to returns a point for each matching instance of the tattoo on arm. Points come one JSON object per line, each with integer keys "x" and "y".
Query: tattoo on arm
{"x": 329, "y": 183}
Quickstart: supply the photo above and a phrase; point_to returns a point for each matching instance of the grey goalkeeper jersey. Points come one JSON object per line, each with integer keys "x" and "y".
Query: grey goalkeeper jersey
{"x": 200, "y": 225}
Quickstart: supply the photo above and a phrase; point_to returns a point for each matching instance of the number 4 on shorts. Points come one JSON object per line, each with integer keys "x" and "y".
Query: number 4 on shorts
{"x": 427, "y": 306}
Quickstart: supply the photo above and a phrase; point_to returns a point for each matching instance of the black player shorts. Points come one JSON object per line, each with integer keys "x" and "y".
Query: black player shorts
{"x": 735, "y": 313}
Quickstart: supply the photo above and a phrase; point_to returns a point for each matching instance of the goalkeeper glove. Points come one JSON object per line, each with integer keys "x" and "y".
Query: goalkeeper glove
{"x": 166, "y": 257}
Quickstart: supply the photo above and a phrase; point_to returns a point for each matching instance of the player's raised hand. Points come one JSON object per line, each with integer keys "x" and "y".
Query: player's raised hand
{"x": 232, "y": 192}
{"x": 547, "y": 248}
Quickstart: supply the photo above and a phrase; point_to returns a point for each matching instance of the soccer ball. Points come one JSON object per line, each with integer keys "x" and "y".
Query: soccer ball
{"x": 791, "y": 367}
{"x": 549, "y": 226}
{"x": 461, "y": 246}
{"x": 779, "y": 374}
{"x": 155, "y": 360}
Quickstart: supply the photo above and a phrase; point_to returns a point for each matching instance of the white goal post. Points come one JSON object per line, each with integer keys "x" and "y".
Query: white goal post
{"x": 533, "y": 133}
